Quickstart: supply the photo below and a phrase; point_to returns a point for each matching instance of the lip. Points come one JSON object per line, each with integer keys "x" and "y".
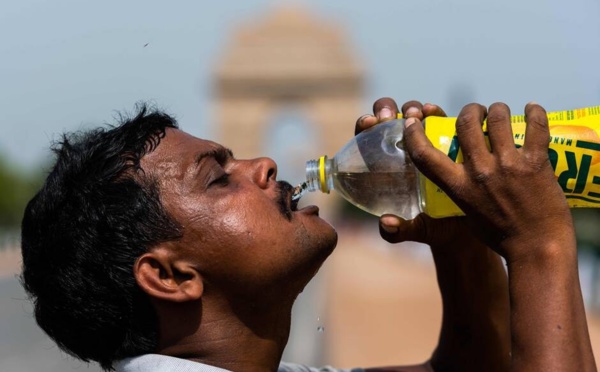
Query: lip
{"x": 310, "y": 209}
{"x": 293, "y": 205}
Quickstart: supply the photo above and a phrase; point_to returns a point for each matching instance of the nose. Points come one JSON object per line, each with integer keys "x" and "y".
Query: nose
{"x": 265, "y": 171}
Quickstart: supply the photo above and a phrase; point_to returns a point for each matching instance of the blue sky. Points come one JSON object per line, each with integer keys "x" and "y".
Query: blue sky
{"x": 68, "y": 64}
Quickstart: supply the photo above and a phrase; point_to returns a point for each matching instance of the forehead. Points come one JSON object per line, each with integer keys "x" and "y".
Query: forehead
{"x": 176, "y": 154}
{"x": 177, "y": 148}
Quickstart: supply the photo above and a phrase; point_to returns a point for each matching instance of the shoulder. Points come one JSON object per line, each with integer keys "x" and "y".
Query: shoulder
{"x": 293, "y": 367}
{"x": 162, "y": 363}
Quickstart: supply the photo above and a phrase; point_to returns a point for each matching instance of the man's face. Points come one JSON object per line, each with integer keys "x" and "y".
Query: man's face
{"x": 240, "y": 229}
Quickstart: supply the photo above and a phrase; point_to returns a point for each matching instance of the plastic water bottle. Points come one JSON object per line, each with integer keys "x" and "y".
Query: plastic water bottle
{"x": 373, "y": 171}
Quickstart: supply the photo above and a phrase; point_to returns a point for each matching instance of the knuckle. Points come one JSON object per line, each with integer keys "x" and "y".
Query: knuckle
{"x": 465, "y": 119}
{"x": 471, "y": 113}
{"x": 507, "y": 164}
{"x": 523, "y": 167}
{"x": 537, "y": 160}
{"x": 483, "y": 172}
{"x": 419, "y": 155}
{"x": 539, "y": 122}
{"x": 482, "y": 176}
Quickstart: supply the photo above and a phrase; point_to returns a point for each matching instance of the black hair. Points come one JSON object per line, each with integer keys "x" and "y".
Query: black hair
{"x": 96, "y": 213}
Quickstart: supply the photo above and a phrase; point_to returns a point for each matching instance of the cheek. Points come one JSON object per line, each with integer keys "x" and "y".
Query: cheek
{"x": 232, "y": 221}
{"x": 250, "y": 225}
{"x": 235, "y": 225}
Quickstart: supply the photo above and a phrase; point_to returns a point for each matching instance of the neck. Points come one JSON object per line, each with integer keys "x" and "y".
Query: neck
{"x": 217, "y": 332}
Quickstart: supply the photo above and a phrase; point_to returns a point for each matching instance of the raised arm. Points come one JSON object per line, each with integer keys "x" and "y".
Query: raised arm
{"x": 511, "y": 198}
{"x": 475, "y": 332}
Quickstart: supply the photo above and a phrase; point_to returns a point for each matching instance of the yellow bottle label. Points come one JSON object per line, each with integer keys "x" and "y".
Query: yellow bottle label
{"x": 574, "y": 154}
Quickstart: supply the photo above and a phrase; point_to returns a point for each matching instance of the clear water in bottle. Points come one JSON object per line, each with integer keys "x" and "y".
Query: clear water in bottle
{"x": 381, "y": 192}
{"x": 371, "y": 171}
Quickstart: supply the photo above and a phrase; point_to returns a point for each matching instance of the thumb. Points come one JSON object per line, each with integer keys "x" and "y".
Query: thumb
{"x": 394, "y": 229}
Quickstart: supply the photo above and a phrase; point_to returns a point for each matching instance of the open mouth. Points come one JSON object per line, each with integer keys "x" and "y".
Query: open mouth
{"x": 293, "y": 203}
{"x": 286, "y": 204}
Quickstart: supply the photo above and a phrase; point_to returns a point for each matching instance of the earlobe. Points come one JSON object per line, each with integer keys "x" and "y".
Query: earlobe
{"x": 166, "y": 278}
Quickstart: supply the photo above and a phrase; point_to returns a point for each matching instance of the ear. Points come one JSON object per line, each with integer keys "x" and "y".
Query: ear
{"x": 165, "y": 277}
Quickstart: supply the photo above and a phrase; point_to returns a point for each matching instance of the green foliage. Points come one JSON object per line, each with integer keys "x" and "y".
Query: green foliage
{"x": 16, "y": 189}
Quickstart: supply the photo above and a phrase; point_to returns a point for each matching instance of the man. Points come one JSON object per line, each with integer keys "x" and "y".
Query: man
{"x": 148, "y": 249}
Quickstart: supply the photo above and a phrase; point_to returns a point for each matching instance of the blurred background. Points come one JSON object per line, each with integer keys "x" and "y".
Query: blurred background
{"x": 286, "y": 79}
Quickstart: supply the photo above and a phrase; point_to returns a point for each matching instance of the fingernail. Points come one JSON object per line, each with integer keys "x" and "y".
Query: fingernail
{"x": 390, "y": 229}
{"x": 385, "y": 113}
{"x": 532, "y": 103}
{"x": 413, "y": 111}
{"x": 410, "y": 121}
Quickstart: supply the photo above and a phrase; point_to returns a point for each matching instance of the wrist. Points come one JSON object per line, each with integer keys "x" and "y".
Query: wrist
{"x": 544, "y": 240}
{"x": 540, "y": 252}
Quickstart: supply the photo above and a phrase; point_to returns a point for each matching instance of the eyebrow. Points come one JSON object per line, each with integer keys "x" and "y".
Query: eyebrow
{"x": 221, "y": 155}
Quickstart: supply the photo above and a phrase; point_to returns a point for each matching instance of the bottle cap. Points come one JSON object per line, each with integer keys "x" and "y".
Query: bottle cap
{"x": 322, "y": 180}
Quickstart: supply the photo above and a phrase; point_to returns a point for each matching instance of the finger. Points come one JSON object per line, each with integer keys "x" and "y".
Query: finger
{"x": 422, "y": 229}
{"x": 394, "y": 229}
{"x": 469, "y": 132}
{"x": 430, "y": 161}
{"x": 364, "y": 122}
{"x": 537, "y": 132}
{"x": 433, "y": 110}
{"x": 412, "y": 109}
{"x": 385, "y": 109}
{"x": 500, "y": 132}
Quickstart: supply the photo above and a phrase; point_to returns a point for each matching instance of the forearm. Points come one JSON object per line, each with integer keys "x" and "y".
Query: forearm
{"x": 475, "y": 333}
{"x": 549, "y": 332}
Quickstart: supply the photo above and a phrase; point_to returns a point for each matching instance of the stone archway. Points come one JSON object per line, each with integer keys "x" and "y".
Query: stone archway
{"x": 290, "y": 139}
{"x": 289, "y": 57}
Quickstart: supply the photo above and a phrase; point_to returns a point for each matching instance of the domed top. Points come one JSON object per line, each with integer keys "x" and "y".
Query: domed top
{"x": 287, "y": 44}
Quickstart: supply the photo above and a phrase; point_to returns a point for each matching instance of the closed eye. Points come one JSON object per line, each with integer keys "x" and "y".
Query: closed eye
{"x": 221, "y": 181}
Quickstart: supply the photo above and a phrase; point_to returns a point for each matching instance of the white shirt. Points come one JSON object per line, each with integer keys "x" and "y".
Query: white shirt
{"x": 164, "y": 363}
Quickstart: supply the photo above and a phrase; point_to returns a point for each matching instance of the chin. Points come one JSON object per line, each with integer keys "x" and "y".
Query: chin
{"x": 332, "y": 243}
{"x": 325, "y": 244}
{"x": 332, "y": 237}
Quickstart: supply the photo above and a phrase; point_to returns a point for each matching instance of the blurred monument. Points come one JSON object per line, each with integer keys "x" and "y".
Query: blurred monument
{"x": 289, "y": 68}
{"x": 288, "y": 86}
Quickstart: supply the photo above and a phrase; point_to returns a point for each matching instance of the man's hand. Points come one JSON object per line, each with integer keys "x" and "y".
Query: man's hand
{"x": 509, "y": 194}
{"x": 512, "y": 201}
{"x": 475, "y": 333}
{"x": 422, "y": 229}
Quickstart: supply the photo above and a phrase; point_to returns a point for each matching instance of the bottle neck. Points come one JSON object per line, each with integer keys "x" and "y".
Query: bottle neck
{"x": 319, "y": 174}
